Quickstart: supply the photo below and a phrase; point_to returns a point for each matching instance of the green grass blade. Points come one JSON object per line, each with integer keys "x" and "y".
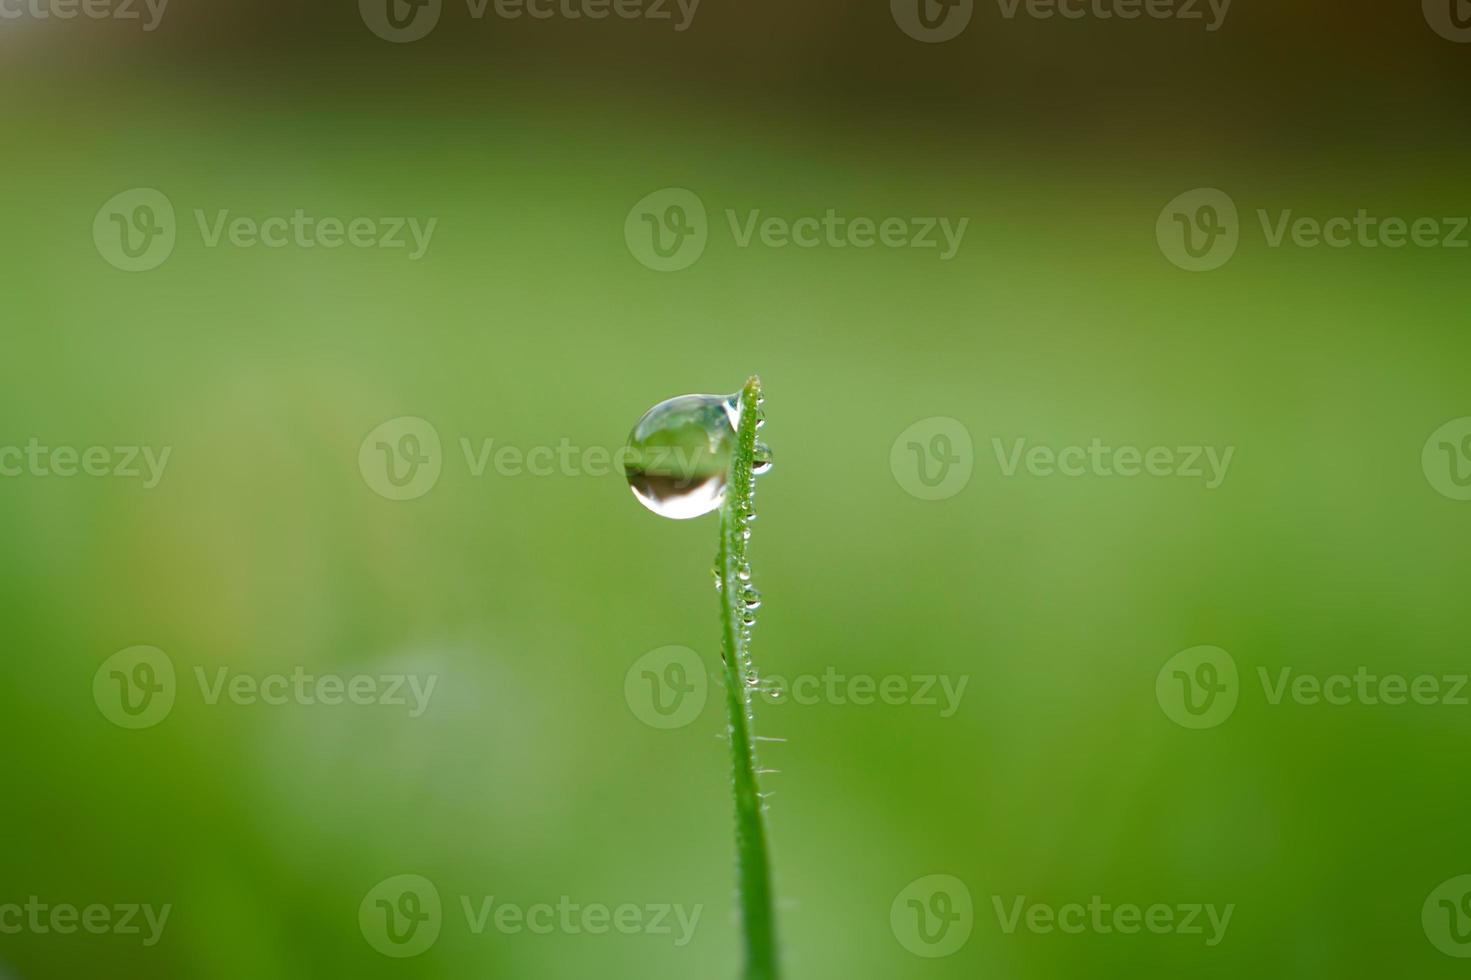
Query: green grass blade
{"x": 753, "y": 867}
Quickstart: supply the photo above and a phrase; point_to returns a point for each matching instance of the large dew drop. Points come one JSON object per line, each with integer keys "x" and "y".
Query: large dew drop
{"x": 679, "y": 453}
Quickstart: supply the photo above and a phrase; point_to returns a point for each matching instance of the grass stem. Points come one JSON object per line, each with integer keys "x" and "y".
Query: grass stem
{"x": 753, "y": 867}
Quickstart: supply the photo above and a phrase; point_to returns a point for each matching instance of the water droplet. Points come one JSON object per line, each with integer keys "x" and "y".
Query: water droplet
{"x": 761, "y": 459}
{"x": 748, "y": 620}
{"x": 678, "y": 456}
{"x": 751, "y": 599}
{"x": 752, "y": 679}
{"x": 744, "y": 573}
{"x": 719, "y": 579}
{"x": 748, "y": 516}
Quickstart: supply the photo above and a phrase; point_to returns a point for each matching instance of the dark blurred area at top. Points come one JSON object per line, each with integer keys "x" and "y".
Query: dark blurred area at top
{"x": 1275, "y": 74}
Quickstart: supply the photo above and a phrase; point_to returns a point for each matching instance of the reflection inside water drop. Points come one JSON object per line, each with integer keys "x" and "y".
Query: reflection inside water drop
{"x": 761, "y": 459}
{"x": 678, "y": 456}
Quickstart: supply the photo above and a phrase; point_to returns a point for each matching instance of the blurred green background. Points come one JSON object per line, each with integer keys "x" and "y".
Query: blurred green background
{"x": 529, "y": 321}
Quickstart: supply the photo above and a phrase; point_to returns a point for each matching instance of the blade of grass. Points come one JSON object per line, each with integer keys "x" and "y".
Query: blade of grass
{"x": 753, "y": 867}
